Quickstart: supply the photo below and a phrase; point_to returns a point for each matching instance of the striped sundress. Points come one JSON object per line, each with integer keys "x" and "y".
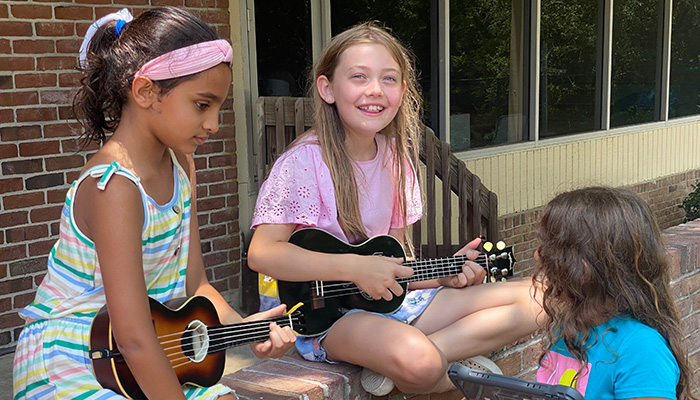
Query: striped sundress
{"x": 51, "y": 359}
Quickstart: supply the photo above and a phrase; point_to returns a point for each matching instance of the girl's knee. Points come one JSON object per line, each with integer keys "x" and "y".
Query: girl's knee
{"x": 421, "y": 361}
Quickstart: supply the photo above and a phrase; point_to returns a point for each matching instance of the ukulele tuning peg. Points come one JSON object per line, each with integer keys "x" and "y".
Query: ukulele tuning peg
{"x": 492, "y": 257}
{"x": 504, "y": 272}
{"x": 500, "y": 245}
{"x": 493, "y": 279}
{"x": 488, "y": 246}
{"x": 493, "y": 270}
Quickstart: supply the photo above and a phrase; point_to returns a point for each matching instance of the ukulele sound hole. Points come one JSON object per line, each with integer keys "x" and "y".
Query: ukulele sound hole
{"x": 195, "y": 342}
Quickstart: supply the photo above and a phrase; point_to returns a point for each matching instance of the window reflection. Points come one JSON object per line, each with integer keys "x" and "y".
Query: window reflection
{"x": 684, "y": 97}
{"x": 486, "y": 75}
{"x": 283, "y": 44}
{"x": 409, "y": 20}
{"x": 634, "y": 61}
{"x": 568, "y": 53}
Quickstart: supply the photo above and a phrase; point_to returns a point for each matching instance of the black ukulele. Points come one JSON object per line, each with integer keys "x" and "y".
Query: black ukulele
{"x": 191, "y": 335}
{"x": 326, "y": 302}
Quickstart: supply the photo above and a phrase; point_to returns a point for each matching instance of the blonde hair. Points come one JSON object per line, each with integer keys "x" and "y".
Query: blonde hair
{"x": 402, "y": 133}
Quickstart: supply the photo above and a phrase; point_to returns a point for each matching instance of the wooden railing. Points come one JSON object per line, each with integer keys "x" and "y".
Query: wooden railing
{"x": 448, "y": 186}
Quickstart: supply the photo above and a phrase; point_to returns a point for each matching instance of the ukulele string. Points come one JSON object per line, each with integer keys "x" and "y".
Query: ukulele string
{"x": 451, "y": 267}
{"x": 256, "y": 331}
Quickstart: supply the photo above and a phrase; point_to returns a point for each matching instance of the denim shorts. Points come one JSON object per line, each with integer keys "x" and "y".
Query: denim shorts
{"x": 413, "y": 306}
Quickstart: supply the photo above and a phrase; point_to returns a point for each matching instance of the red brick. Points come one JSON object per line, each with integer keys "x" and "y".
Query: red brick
{"x": 94, "y": 2}
{"x": 10, "y": 99}
{"x": 7, "y": 116}
{"x": 55, "y": 29}
{"x": 175, "y": 3}
{"x": 53, "y": 63}
{"x": 15, "y": 28}
{"x": 225, "y": 160}
{"x": 71, "y": 46}
{"x": 10, "y": 253}
{"x": 74, "y": 13}
{"x": 10, "y": 320}
{"x": 7, "y": 151}
{"x": 200, "y": 3}
{"x": 25, "y": 200}
{"x": 4, "y": 11}
{"x": 11, "y": 185}
{"x": 5, "y": 47}
{"x": 22, "y": 300}
{"x": 21, "y": 167}
{"x": 31, "y": 11}
{"x": 16, "y": 64}
{"x": 16, "y": 133}
{"x": 62, "y": 130}
{"x": 37, "y": 114}
{"x": 44, "y": 214}
{"x": 14, "y": 218}
{"x": 35, "y": 80}
{"x": 56, "y": 196}
{"x": 39, "y": 148}
{"x": 25, "y": 233}
{"x": 64, "y": 162}
{"x": 33, "y": 46}
{"x": 57, "y": 96}
{"x": 69, "y": 79}
{"x": 42, "y": 247}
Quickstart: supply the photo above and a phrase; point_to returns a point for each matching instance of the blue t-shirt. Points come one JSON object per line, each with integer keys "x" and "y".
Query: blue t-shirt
{"x": 627, "y": 360}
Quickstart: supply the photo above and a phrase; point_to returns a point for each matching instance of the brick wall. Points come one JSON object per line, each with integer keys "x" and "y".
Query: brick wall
{"x": 39, "y": 157}
{"x": 664, "y": 196}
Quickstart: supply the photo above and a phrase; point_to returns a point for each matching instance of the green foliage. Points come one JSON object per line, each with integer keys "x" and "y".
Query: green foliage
{"x": 691, "y": 204}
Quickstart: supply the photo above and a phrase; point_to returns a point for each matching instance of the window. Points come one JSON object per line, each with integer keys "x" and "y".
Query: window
{"x": 283, "y": 45}
{"x": 486, "y": 73}
{"x": 684, "y": 96}
{"x": 568, "y": 52}
{"x": 636, "y": 28}
{"x": 599, "y": 64}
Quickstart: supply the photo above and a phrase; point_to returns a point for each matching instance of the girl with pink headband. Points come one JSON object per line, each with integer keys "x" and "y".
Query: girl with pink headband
{"x": 129, "y": 238}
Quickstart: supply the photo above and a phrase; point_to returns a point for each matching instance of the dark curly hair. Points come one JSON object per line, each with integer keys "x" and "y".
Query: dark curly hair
{"x": 601, "y": 254}
{"x": 112, "y": 60}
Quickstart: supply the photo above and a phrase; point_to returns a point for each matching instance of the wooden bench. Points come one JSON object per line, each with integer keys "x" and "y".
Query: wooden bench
{"x": 448, "y": 186}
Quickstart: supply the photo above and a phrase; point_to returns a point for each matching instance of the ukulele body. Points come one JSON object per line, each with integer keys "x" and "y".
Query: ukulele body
{"x": 170, "y": 320}
{"x": 321, "y": 308}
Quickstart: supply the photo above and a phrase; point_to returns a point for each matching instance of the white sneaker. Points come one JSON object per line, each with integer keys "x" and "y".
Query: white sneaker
{"x": 480, "y": 363}
{"x": 376, "y": 383}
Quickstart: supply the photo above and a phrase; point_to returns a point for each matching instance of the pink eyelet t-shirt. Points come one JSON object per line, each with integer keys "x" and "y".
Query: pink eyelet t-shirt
{"x": 299, "y": 190}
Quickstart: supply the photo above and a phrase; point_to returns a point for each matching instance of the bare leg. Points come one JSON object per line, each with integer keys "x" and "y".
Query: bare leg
{"x": 394, "y": 349}
{"x": 475, "y": 320}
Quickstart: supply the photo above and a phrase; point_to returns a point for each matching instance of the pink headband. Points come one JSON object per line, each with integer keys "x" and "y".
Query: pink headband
{"x": 187, "y": 60}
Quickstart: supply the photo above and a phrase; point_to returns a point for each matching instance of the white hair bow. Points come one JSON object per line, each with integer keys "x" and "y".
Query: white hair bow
{"x": 122, "y": 14}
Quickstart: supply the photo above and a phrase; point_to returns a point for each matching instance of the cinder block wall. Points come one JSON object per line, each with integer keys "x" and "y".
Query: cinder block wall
{"x": 39, "y": 155}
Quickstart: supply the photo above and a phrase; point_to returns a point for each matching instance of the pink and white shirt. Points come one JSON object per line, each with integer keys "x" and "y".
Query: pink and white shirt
{"x": 299, "y": 190}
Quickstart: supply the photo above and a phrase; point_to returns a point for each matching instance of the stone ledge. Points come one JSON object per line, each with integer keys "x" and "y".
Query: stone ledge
{"x": 292, "y": 377}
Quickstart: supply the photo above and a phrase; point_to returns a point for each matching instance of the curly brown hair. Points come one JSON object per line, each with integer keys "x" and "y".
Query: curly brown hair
{"x": 113, "y": 59}
{"x": 601, "y": 255}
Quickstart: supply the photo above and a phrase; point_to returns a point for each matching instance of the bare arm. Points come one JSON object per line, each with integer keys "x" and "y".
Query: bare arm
{"x": 281, "y": 339}
{"x": 271, "y": 254}
{"x": 113, "y": 219}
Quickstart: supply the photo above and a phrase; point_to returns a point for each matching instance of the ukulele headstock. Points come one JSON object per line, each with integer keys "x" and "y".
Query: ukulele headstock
{"x": 500, "y": 260}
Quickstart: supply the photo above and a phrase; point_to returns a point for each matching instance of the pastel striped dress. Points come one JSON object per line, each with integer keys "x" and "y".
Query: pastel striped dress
{"x": 51, "y": 359}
